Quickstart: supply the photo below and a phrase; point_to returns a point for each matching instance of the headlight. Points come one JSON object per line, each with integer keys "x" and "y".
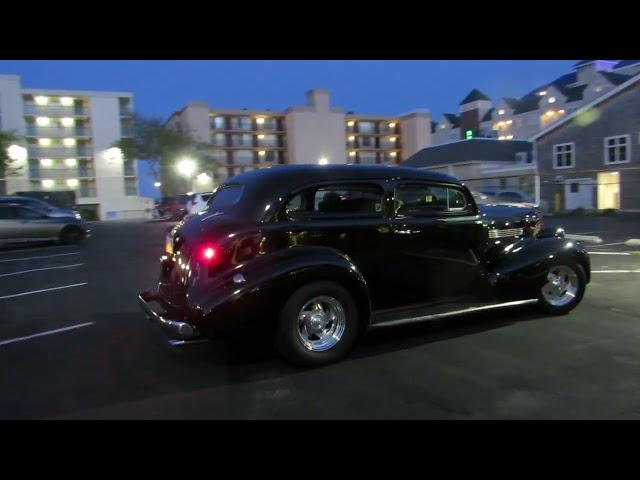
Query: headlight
{"x": 78, "y": 216}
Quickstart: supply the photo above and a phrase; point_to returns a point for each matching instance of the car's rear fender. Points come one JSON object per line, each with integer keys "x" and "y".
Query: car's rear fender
{"x": 259, "y": 288}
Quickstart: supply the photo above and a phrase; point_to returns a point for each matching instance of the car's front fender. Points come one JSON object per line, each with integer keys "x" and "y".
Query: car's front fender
{"x": 520, "y": 267}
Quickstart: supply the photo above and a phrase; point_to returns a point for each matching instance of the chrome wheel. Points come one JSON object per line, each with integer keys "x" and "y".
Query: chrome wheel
{"x": 321, "y": 323}
{"x": 561, "y": 286}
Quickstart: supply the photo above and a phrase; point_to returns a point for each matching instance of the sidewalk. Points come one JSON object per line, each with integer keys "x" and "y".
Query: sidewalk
{"x": 611, "y": 228}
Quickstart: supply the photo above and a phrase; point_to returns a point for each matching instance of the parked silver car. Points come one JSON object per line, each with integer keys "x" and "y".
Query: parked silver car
{"x": 21, "y": 224}
{"x": 41, "y": 205}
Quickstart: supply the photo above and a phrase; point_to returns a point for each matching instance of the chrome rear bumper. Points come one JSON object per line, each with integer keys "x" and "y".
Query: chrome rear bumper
{"x": 182, "y": 330}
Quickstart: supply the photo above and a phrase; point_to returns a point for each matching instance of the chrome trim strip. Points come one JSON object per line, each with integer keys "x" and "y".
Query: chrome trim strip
{"x": 185, "y": 331}
{"x": 437, "y": 316}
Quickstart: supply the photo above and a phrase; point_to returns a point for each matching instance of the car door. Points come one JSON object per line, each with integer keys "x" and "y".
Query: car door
{"x": 33, "y": 224}
{"x": 349, "y": 217}
{"x": 8, "y": 223}
{"x": 436, "y": 236}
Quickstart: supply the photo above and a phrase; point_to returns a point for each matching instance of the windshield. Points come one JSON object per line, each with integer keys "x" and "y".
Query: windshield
{"x": 225, "y": 198}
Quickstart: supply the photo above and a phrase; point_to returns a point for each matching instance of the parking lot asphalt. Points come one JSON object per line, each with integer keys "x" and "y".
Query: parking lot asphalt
{"x": 73, "y": 344}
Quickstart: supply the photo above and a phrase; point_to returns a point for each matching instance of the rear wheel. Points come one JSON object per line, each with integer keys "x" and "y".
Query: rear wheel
{"x": 563, "y": 288}
{"x": 71, "y": 235}
{"x": 318, "y": 325}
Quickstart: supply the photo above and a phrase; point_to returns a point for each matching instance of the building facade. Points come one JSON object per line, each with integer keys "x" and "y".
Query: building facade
{"x": 69, "y": 137}
{"x": 591, "y": 159}
{"x": 522, "y": 118}
{"x": 242, "y": 140}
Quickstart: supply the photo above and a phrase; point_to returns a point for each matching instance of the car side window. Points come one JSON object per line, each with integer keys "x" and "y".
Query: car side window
{"x": 416, "y": 200}
{"x": 355, "y": 200}
{"x": 25, "y": 213}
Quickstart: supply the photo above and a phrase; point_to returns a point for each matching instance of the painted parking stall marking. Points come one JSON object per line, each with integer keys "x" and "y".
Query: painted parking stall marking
{"x": 43, "y": 290}
{"x": 40, "y": 269}
{"x": 38, "y": 257}
{"x": 42, "y": 334}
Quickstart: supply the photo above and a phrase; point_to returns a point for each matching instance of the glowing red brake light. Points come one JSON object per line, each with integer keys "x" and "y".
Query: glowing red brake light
{"x": 208, "y": 253}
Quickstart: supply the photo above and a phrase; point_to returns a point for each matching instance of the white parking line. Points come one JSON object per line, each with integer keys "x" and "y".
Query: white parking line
{"x": 615, "y": 271}
{"x": 40, "y": 269}
{"x": 42, "y": 334}
{"x": 609, "y": 253}
{"x": 43, "y": 290}
{"x": 42, "y": 256}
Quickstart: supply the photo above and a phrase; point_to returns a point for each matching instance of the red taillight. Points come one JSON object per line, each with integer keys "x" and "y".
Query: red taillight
{"x": 208, "y": 253}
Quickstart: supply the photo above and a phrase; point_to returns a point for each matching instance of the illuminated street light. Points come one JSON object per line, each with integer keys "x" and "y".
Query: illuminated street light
{"x": 186, "y": 167}
{"x": 157, "y": 184}
{"x": 17, "y": 153}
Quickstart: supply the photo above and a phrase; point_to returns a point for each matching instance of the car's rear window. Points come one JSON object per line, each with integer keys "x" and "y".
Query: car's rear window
{"x": 336, "y": 200}
{"x": 225, "y": 198}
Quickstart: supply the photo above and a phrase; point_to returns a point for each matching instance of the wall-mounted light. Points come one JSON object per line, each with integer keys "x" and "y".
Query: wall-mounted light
{"x": 351, "y": 123}
{"x": 46, "y": 162}
{"x": 44, "y": 142}
{"x": 392, "y": 125}
{"x": 43, "y": 121}
{"x": 552, "y": 99}
{"x": 323, "y": 161}
{"x": 501, "y": 112}
{"x": 72, "y": 182}
{"x": 71, "y": 162}
{"x": 69, "y": 142}
{"x": 352, "y": 154}
{"x": 392, "y": 139}
{"x": 351, "y": 138}
{"x": 66, "y": 101}
{"x": 261, "y": 136}
{"x": 260, "y": 120}
{"x": 47, "y": 183}
{"x": 394, "y": 154}
{"x": 67, "y": 122}
{"x": 41, "y": 100}
{"x": 262, "y": 153}
{"x": 542, "y": 93}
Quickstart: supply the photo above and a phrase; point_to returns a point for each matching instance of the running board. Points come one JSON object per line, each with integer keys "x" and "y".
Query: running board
{"x": 437, "y": 316}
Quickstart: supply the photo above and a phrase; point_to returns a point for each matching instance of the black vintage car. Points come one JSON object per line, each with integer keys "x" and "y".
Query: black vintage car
{"x": 316, "y": 255}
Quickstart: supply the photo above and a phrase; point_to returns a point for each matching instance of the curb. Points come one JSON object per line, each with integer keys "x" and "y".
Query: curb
{"x": 584, "y": 238}
{"x": 633, "y": 242}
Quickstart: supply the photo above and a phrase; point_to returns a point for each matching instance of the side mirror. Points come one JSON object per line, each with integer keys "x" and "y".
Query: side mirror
{"x": 550, "y": 232}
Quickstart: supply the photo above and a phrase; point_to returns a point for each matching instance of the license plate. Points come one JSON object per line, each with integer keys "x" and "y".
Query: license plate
{"x": 168, "y": 244}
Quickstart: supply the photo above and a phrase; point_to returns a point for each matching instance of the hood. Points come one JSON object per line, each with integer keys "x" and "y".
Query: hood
{"x": 505, "y": 213}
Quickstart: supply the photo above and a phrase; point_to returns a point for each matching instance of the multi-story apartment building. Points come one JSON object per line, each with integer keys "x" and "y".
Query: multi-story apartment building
{"x": 522, "y": 118}
{"x": 69, "y": 138}
{"x": 242, "y": 140}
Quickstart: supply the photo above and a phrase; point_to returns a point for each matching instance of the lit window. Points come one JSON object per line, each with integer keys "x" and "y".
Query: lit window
{"x": 72, "y": 182}
{"x": 45, "y": 142}
{"x": 542, "y": 93}
{"x": 67, "y": 122}
{"x": 69, "y": 142}
{"x": 47, "y": 183}
{"x": 46, "y": 162}
{"x": 71, "y": 162}
{"x": 501, "y": 112}
{"x": 552, "y": 99}
{"x": 260, "y": 120}
{"x": 352, "y": 154}
{"x": 261, "y": 136}
{"x": 41, "y": 100}
{"x": 351, "y": 123}
{"x": 66, "y": 101}
{"x": 43, "y": 121}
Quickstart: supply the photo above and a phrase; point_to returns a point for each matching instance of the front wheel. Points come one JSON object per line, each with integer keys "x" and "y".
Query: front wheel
{"x": 71, "y": 236}
{"x": 563, "y": 288}
{"x": 318, "y": 325}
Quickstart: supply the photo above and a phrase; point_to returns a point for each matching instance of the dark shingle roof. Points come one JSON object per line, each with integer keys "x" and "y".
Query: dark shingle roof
{"x": 454, "y": 120}
{"x": 475, "y": 149}
{"x": 474, "y": 95}
{"x": 528, "y": 103}
{"x": 512, "y": 102}
{"x": 616, "y": 78}
{"x": 625, "y": 63}
{"x": 575, "y": 93}
{"x": 488, "y": 116}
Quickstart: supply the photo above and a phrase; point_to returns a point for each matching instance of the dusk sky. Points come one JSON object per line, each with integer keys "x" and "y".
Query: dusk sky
{"x": 385, "y": 87}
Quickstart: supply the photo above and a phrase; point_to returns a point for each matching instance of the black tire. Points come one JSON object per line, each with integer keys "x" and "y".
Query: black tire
{"x": 547, "y": 307}
{"x": 288, "y": 342}
{"x": 71, "y": 236}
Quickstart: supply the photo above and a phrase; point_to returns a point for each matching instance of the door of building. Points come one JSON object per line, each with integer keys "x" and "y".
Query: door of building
{"x": 578, "y": 193}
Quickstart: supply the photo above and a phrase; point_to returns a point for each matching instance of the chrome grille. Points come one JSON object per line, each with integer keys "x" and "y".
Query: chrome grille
{"x": 505, "y": 232}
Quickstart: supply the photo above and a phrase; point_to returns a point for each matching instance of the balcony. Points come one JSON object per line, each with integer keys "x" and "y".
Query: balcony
{"x": 126, "y": 111}
{"x": 55, "y": 110}
{"x": 36, "y": 131}
{"x": 58, "y": 152}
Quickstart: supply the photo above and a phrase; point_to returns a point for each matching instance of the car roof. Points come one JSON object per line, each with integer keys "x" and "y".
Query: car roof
{"x": 288, "y": 177}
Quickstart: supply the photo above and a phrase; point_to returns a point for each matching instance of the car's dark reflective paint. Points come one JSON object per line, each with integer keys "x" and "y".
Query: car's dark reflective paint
{"x": 366, "y": 245}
